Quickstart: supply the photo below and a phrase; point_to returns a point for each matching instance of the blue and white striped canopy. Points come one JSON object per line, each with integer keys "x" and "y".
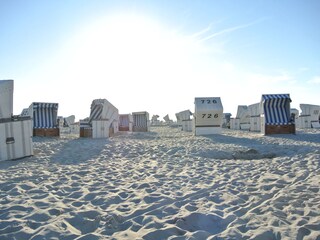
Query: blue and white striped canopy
{"x": 45, "y": 115}
{"x": 96, "y": 111}
{"x": 99, "y": 109}
{"x": 276, "y": 108}
{"x": 37, "y": 105}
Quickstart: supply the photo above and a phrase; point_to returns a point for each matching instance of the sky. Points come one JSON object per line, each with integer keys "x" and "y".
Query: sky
{"x": 158, "y": 56}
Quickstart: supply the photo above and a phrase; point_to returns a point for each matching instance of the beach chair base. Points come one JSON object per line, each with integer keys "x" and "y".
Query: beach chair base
{"x": 280, "y": 129}
{"x": 46, "y": 132}
{"x": 198, "y": 131}
{"x": 15, "y": 139}
{"x": 86, "y": 132}
{"x": 123, "y": 128}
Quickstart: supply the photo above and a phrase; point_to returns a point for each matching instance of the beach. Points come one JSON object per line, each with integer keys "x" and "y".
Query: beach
{"x": 165, "y": 184}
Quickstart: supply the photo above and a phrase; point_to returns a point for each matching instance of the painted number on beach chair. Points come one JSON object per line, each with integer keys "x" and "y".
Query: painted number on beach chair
{"x": 209, "y": 101}
{"x": 209, "y": 115}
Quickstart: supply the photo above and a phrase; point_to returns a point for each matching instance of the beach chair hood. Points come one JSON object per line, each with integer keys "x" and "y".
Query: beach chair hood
{"x": 276, "y": 108}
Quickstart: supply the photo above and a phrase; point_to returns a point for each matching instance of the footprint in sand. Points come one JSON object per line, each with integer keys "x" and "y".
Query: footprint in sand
{"x": 210, "y": 223}
{"x": 85, "y": 222}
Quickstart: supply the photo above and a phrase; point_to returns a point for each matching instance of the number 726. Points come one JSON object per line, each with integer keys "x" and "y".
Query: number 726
{"x": 209, "y": 115}
{"x": 209, "y": 101}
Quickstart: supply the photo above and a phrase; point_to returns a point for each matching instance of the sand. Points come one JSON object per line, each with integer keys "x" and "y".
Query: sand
{"x": 164, "y": 184}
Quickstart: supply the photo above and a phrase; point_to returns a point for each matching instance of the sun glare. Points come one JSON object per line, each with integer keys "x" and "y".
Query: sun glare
{"x": 131, "y": 52}
{"x": 127, "y": 45}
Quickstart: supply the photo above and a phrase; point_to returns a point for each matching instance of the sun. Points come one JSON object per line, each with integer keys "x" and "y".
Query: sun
{"x": 135, "y": 43}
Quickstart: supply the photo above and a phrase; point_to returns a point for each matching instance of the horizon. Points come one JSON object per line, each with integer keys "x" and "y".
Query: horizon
{"x": 159, "y": 56}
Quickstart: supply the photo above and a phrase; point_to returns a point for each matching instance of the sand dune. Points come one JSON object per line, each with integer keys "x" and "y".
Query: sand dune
{"x": 164, "y": 184}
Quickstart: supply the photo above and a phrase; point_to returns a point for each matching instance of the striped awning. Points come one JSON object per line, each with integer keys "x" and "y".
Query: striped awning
{"x": 96, "y": 111}
{"x": 276, "y": 108}
{"x": 102, "y": 109}
{"x": 45, "y": 115}
{"x": 37, "y": 105}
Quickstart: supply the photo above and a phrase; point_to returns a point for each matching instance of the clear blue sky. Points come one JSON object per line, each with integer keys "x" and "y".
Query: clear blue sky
{"x": 157, "y": 56}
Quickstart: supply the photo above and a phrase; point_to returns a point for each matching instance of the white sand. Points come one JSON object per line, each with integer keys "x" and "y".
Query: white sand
{"x": 165, "y": 184}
